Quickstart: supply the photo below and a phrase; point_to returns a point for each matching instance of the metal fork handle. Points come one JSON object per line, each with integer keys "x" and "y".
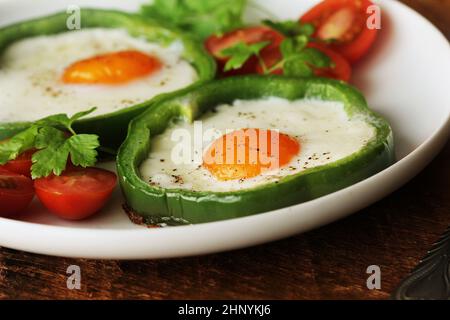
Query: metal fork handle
{"x": 430, "y": 280}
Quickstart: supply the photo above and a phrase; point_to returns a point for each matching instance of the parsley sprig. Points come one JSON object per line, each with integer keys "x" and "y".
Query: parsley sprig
{"x": 200, "y": 17}
{"x": 296, "y": 58}
{"x": 241, "y": 52}
{"x": 50, "y": 137}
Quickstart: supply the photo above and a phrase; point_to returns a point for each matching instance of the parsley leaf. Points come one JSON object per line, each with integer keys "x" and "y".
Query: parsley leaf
{"x": 82, "y": 148}
{"x": 298, "y": 60}
{"x": 201, "y": 17}
{"x": 62, "y": 120}
{"x": 316, "y": 58}
{"x": 10, "y": 149}
{"x": 81, "y": 114}
{"x": 57, "y": 120}
{"x": 49, "y": 136}
{"x": 292, "y": 46}
{"x": 241, "y": 52}
{"x": 302, "y": 64}
{"x": 55, "y": 152}
{"x": 52, "y": 159}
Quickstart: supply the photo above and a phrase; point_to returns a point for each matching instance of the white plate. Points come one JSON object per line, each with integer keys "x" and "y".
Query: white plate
{"x": 405, "y": 78}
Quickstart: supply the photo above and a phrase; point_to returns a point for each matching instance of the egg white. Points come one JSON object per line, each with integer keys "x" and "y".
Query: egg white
{"x": 31, "y": 69}
{"x": 325, "y": 132}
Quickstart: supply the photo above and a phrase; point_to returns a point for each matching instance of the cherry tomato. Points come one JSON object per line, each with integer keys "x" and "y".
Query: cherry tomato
{"x": 216, "y": 44}
{"x": 22, "y": 164}
{"x": 345, "y": 22}
{"x": 341, "y": 70}
{"x": 271, "y": 57}
{"x": 77, "y": 193}
{"x": 16, "y": 192}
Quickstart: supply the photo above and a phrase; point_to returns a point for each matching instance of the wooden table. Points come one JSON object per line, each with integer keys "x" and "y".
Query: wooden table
{"x": 328, "y": 263}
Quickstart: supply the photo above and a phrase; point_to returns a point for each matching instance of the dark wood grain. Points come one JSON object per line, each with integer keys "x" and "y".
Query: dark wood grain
{"x": 328, "y": 263}
{"x": 437, "y": 11}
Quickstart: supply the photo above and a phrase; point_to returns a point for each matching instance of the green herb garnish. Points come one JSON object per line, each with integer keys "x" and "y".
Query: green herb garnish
{"x": 200, "y": 17}
{"x": 241, "y": 52}
{"x": 296, "y": 58}
{"x": 55, "y": 140}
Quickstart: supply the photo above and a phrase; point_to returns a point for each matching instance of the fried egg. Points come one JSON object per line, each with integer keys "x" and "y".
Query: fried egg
{"x": 73, "y": 71}
{"x": 253, "y": 142}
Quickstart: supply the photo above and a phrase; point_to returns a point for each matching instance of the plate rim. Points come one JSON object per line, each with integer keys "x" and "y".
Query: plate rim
{"x": 418, "y": 159}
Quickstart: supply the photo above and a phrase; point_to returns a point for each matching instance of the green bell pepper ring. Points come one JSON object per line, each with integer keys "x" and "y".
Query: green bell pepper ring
{"x": 156, "y": 204}
{"x": 111, "y": 127}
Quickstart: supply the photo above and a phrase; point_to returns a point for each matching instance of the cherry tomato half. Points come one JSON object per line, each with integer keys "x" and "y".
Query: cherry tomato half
{"x": 345, "y": 22}
{"x": 16, "y": 192}
{"x": 216, "y": 44}
{"x": 22, "y": 164}
{"x": 77, "y": 193}
{"x": 341, "y": 70}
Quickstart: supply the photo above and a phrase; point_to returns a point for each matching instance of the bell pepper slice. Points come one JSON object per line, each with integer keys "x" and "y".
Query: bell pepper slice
{"x": 174, "y": 206}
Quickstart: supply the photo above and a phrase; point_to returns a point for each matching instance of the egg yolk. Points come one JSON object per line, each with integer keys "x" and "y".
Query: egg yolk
{"x": 112, "y": 68}
{"x": 247, "y": 153}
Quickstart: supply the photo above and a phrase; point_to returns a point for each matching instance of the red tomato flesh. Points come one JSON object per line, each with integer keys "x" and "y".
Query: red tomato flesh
{"x": 22, "y": 164}
{"x": 341, "y": 70}
{"x": 16, "y": 192}
{"x": 77, "y": 193}
{"x": 345, "y": 22}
